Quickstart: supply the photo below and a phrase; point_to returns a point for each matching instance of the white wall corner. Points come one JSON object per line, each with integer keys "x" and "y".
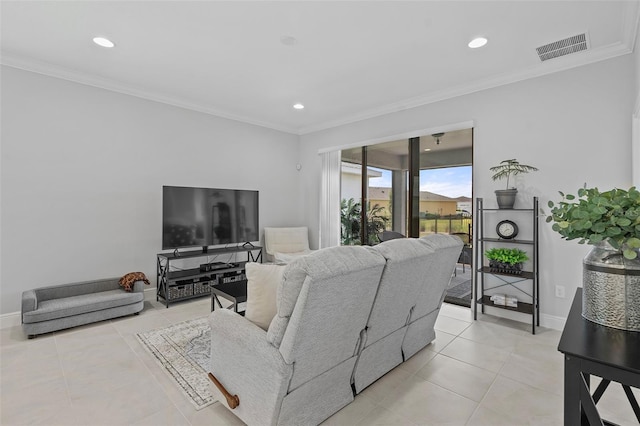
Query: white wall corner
{"x": 631, "y": 25}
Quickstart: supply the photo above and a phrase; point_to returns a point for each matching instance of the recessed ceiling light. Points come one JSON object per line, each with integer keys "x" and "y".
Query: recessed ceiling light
{"x": 298, "y": 106}
{"x": 427, "y": 149}
{"x": 477, "y": 42}
{"x": 104, "y": 42}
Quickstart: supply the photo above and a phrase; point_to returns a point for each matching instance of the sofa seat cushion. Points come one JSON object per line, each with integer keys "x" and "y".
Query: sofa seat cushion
{"x": 68, "y": 306}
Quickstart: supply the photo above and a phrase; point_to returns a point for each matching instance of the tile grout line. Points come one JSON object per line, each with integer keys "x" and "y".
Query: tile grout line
{"x": 153, "y": 376}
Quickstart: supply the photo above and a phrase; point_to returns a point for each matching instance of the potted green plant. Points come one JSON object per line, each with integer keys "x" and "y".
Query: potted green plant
{"x": 593, "y": 217}
{"x": 610, "y": 221}
{"x": 506, "y": 260}
{"x": 507, "y": 168}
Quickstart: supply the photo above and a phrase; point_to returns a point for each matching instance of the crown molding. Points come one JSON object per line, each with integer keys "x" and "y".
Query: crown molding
{"x": 539, "y": 70}
{"x": 44, "y": 68}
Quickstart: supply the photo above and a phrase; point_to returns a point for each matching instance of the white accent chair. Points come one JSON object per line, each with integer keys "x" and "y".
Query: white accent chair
{"x": 282, "y": 245}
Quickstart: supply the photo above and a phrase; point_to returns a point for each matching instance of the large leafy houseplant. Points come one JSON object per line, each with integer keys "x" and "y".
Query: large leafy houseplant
{"x": 594, "y": 217}
{"x": 610, "y": 221}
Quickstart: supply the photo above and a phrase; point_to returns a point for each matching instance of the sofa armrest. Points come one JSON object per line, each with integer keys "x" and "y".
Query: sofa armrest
{"x": 29, "y": 302}
{"x": 247, "y": 365}
{"x": 138, "y": 287}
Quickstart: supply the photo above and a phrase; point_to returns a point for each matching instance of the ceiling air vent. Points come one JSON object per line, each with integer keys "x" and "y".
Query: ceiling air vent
{"x": 564, "y": 47}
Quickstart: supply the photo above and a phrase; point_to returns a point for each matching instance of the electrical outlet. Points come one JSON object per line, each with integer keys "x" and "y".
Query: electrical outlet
{"x": 560, "y": 291}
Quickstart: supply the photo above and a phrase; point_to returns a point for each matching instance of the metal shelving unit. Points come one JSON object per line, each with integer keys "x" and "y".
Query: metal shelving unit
{"x": 517, "y": 283}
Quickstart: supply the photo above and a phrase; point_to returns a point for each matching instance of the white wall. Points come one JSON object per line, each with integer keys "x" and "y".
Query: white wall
{"x": 636, "y": 55}
{"x": 636, "y": 114}
{"x": 575, "y": 126}
{"x": 82, "y": 175}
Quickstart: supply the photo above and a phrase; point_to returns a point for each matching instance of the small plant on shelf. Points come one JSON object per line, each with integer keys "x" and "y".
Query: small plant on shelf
{"x": 507, "y": 168}
{"x": 505, "y": 260}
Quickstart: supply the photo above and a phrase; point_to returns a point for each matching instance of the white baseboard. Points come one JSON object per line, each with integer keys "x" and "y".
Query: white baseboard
{"x": 12, "y": 319}
{"x": 552, "y": 322}
{"x": 547, "y": 321}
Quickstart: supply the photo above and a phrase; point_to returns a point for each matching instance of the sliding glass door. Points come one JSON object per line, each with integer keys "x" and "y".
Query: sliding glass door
{"x": 409, "y": 187}
{"x": 446, "y": 183}
{"x": 374, "y": 192}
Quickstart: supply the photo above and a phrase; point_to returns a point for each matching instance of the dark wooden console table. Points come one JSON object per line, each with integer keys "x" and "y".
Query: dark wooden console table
{"x": 235, "y": 292}
{"x": 606, "y": 352}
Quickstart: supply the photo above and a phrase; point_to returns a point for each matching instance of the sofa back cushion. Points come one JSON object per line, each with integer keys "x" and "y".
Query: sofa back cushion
{"x": 324, "y": 301}
{"x": 408, "y": 263}
{"x": 76, "y": 289}
{"x": 446, "y": 251}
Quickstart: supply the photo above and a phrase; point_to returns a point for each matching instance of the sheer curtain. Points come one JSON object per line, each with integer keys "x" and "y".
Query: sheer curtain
{"x": 330, "y": 199}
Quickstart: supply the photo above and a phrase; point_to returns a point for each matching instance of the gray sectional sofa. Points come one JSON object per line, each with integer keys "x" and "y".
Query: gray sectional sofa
{"x": 345, "y": 317}
{"x": 48, "y": 309}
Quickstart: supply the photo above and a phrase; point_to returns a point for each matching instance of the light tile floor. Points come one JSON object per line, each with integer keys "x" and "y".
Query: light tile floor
{"x": 486, "y": 372}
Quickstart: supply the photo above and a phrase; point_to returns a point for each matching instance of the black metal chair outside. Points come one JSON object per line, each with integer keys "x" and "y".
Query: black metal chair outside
{"x": 389, "y": 235}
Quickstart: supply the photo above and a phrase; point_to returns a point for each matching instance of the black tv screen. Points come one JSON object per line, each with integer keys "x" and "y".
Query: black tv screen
{"x": 208, "y": 216}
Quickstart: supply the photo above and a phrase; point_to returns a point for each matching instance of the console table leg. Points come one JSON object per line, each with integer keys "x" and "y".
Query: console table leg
{"x": 572, "y": 379}
{"x": 632, "y": 400}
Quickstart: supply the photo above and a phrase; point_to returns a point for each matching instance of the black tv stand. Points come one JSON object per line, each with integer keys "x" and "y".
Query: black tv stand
{"x": 248, "y": 244}
{"x": 175, "y": 283}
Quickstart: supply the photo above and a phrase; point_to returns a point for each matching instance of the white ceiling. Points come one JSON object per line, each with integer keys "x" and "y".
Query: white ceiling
{"x": 351, "y": 60}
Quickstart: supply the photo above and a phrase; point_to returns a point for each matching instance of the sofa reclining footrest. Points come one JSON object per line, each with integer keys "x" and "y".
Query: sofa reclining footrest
{"x": 232, "y": 400}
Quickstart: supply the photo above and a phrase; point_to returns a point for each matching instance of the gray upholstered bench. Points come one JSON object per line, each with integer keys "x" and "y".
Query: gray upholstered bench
{"x": 48, "y": 309}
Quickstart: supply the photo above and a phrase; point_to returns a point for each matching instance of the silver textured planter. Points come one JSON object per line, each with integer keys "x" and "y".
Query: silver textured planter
{"x": 506, "y": 198}
{"x": 611, "y": 288}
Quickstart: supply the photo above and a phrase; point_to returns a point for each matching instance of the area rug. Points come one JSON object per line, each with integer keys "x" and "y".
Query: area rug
{"x": 459, "y": 294}
{"x": 183, "y": 351}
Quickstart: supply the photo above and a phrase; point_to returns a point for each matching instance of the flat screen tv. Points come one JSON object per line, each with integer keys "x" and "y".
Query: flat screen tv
{"x": 208, "y": 216}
